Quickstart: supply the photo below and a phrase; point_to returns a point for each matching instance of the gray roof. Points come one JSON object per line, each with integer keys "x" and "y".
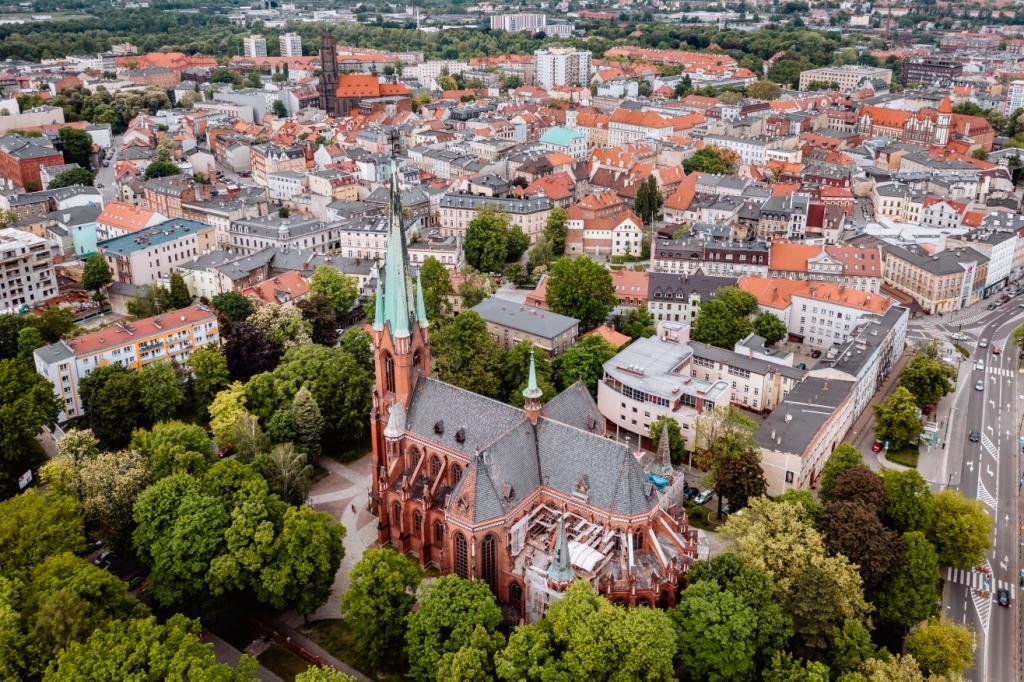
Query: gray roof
{"x": 946, "y": 262}
{"x": 575, "y": 406}
{"x": 75, "y": 215}
{"x": 525, "y": 318}
{"x": 860, "y": 347}
{"x": 54, "y": 352}
{"x": 740, "y": 361}
{"x": 662, "y": 286}
{"x": 503, "y": 204}
{"x": 798, "y": 418}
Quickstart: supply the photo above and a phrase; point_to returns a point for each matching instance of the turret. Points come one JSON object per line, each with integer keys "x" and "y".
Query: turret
{"x": 560, "y": 572}
{"x": 533, "y": 406}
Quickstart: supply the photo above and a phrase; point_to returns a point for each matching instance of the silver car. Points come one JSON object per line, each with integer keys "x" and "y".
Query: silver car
{"x": 980, "y": 365}
{"x": 979, "y": 385}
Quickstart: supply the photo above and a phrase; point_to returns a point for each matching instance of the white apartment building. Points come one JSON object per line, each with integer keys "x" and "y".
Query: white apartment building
{"x": 149, "y": 256}
{"x": 458, "y": 210}
{"x": 942, "y": 214}
{"x": 428, "y": 72}
{"x": 254, "y": 46}
{"x": 286, "y": 184}
{"x": 291, "y": 45}
{"x": 26, "y": 270}
{"x": 1014, "y": 97}
{"x": 846, "y": 76}
{"x": 750, "y": 151}
{"x": 170, "y": 336}
{"x": 513, "y": 23}
{"x": 561, "y": 66}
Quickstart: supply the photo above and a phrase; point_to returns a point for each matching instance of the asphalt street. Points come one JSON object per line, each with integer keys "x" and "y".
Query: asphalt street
{"x": 988, "y": 471}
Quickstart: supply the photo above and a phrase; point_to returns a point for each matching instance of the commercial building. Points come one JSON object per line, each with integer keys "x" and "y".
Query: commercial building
{"x": 931, "y": 72}
{"x": 856, "y": 267}
{"x": 847, "y": 77}
{"x": 168, "y": 337}
{"x": 26, "y": 270}
{"x": 510, "y": 322}
{"x": 291, "y": 45}
{"x": 759, "y": 378}
{"x": 149, "y": 256}
{"x": 562, "y": 66}
{"x": 456, "y": 211}
{"x": 514, "y": 23}
{"x": 254, "y": 46}
{"x": 938, "y": 283}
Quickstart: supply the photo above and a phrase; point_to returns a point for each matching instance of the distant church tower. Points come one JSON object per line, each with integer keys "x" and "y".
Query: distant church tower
{"x": 944, "y": 120}
{"x": 401, "y": 343}
{"x": 328, "y": 73}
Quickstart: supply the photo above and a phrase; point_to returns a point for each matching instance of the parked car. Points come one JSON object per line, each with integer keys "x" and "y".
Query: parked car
{"x": 991, "y": 306}
{"x": 876, "y": 446}
{"x": 105, "y": 559}
{"x": 959, "y": 337}
{"x": 1003, "y": 597}
{"x": 689, "y": 492}
{"x": 91, "y": 544}
{"x": 703, "y": 497}
{"x": 979, "y": 385}
{"x": 135, "y": 580}
{"x": 974, "y": 436}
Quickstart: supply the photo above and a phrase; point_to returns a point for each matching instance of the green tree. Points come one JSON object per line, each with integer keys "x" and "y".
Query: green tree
{"x": 928, "y": 378}
{"x": 555, "y": 230}
{"x": 161, "y": 169}
{"x": 227, "y": 406}
{"x": 448, "y": 613}
{"x": 581, "y": 288}
{"x": 287, "y": 471}
{"x": 378, "y": 601}
{"x": 278, "y": 108}
{"x": 96, "y": 277}
{"x": 465, "y": 354}
{"x": 160, "y": 390}
{"x": 842, "y": 459}
{"x": 908, "y": 500}
{"x": 340, "y": 289}
{"x": 29, "y": 339}
{"x": 153, "y": 301}
{"x": 896, "y": 420}
{"x": 584, "y": 362}
{"x": 112, "y": 400}
{"x": 309, "y": 423}
{"x": 910, "y": 594}
{"x": 648, "y": 200}
{"x": 517, "y": 274}
{"x": 138, "y": 649}
{"x": 231, "y": 308}
{"x": 770, "y": 327}
{"x": 517, "y": 242}
{"x": 718, "y": 324}
{"x": 764, "y": 89}
{"x": 474, "y": 662}
{"x": 179, "y": 296}
{"x": 854, "y": 530}
{"x": 851, "y": 646}
{"x": 322, "y": 318}
{"x": 891, "y": 669}
{"x": 54, "y": 323}
{"x": 67, "y": 599}
{"x": 76, "y": 145}
{"x": 472, "y": 293}
{"x": 942, "y": 647}
{"x": 725, "y": 448}
{"x": 636, "y": 323}
{"x": 282, "y": 325}
{"x": 72, "y": 176}
{"x": 27, "y": 404}
{"x": 173, "y": 446}
{"x": 437, "y": 289}
{"x": 715, "y": 633}
{"x": 785, "y": 668}
{"x": 740, "y": 478}
{"x": 712, "y": 160}
{"x": 486, "y": 244}
{"x": 209, "y": 370}
{"x": 960, "y": 529}
{"x": 322, "y": 674}
{"x": 676, "y": 444}
{"x": 34, "y": 526}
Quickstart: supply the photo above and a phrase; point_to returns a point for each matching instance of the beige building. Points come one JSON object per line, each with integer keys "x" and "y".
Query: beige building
{"x": 510, "y": 322}
{"x": 939, "y": 283}
{"x": 458, "y": 210}
{"x": 847, "y": 76}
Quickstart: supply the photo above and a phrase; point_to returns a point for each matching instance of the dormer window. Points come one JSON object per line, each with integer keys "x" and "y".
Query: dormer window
{"x": 439, "y": 427}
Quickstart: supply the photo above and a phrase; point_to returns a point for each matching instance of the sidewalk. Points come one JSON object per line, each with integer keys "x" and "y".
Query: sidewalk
{"x": 862, "y": 430}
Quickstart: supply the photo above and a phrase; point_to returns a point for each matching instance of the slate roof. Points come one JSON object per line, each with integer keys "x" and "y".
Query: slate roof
{"x": 525, "y": 318}
{"x": 798, "y": 418}
{"x": 574, "y": 406}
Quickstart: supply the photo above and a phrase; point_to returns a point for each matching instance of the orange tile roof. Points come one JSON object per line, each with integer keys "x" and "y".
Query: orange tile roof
{"x": 287, "y": 286}
{"x": 778, "y": 293}
{"x": 629, "y": 283}
{"x": 613, "y": 337}
{"x": 972, "y": 219}
{"x": 644, "y": 119}
{"x": 792, "y": 257}
{"x": 133, "y": 332}
{"x": 125, "y": 216}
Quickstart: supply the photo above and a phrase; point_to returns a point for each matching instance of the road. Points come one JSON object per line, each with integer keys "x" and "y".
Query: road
{"x": 105, "y": 174}
{"x": 988, "y": 471}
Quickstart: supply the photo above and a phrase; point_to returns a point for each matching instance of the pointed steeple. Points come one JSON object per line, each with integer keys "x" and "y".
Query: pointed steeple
{"x": 421, "y": 309}
{"x": 560, "y": 572}
{"x": 532, "y": 404}
{"x": 396, "y": 283}
{"x": 663, "y": 459}
{"x": 378, "y": 309}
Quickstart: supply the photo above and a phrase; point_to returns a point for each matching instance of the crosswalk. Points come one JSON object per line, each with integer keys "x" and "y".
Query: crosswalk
{"x": 976, "y": 580}
{"x": 1000, "y": 371}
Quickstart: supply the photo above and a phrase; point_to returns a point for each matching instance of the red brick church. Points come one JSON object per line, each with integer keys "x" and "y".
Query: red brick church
{"x": 525, "y": 499}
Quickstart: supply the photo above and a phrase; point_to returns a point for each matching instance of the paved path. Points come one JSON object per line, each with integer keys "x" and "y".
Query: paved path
{"x": 226, "y": 653}
{"x": 346, "y": 487}
{"x": 303, "y": 646}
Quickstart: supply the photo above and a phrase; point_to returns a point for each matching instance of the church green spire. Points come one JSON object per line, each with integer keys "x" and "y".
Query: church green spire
{"x": 421, "y": 309}
{"x": 560, "y": 571}
{"x": 378, "y": 308}
{"x": 532, "y": 392}
{"x": 396, "y": 291}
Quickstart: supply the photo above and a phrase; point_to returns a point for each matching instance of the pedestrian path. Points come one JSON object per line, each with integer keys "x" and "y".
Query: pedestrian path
{"x": 975, "y": 580}
{"x": 1001, "y": 372}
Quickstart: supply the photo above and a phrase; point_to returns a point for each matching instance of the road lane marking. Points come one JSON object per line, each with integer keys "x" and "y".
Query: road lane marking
{"x": 985, "y": 496}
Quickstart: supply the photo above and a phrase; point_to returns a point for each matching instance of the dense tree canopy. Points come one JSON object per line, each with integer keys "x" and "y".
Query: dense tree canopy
{"x": 72, "y": 176}
{"x": 465, "y": 354}
{"x": 581, "y": 288}
{"x": 338, "y": 288}
{"x": 909, "y": 595}
{"x": 491, "y": 241}
{"x": 34, "y": 526}
{"x": 960, "y": 529}
{"x": 896, "y": 419}
{"x": 26, "y": 404}
{"x": 584, "y": 362}
{"x": 928, "y": 378}
{"x": 842, "y": 459}
{"x": 112, "y": 400}
{"x": 942, "y": 647}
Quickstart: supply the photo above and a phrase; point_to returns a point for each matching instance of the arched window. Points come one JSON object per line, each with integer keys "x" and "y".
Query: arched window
{"x": 456, "y": 474}
{"x": 414, "y": 457}
{"x": 461, "y": 556}
{"x": 435, "y": 466}
{"x": 438, "y": 531}
{"x": 389, "y": 373}
{"x": 490, "y": 572}
{"x": 638, "y": 540}
{"x": 396, "y": 515}
{"x": 417, "y": 522}
{"x": 515, "y": 595}
{"x": 417, "y": 359}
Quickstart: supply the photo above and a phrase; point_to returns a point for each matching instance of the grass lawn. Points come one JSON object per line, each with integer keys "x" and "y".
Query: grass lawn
{"x": 336, "y": 636}
{"x": 283, "y": 662}
{"x": 700, "y": 516}
{"x": 906, "y": 456}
